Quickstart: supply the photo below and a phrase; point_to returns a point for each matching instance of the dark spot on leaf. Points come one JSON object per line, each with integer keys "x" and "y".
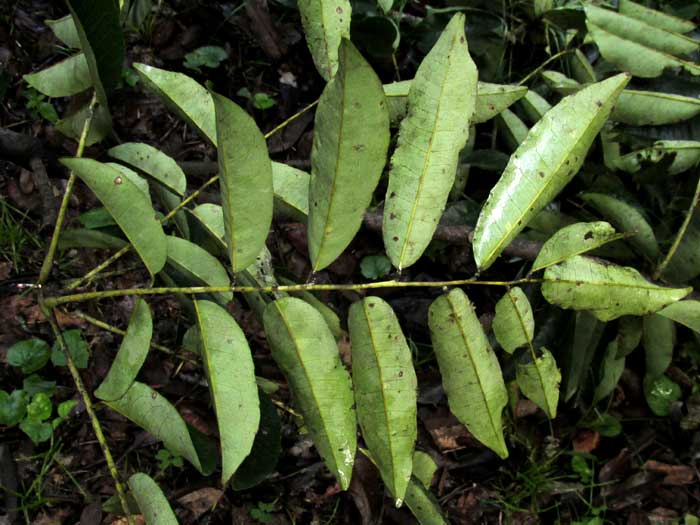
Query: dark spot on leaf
{"x": 392, "y": 195}
{"x": 154, "y": 394}
{"x": 492, "y": 107}
{"x": 401, "y": 373}
{"x": 589, "y": 235}
{"x": 461, "y": 39}
{"x": 599, "y": 103}
{"x": 358, "y": 147}
{"x": 392, "y": 215}
{"x": 541, "y": 174}
{"x": 371, "y": 305}
{"x": 339, "y": 10}
{"x": 395, "y": 238}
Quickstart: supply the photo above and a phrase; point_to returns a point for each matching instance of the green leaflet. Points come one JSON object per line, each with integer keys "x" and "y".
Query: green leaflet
{"x": 514, "y": 324}
{"x": 325, "y": 23}
{"x": 423, "y": 504}
{"x": 633, "y": 108}
{"x": 152, "y": 412}
{"x": 577, "y": 361}
{"x": 659, "y": 337}
{"x": 129, "y": 207}
{"x": 471, "y": 374}
{"x": 491, "y": 99}
{"x": 441, "y": 102}
{"x": 84, "y": 238}
{"x": 291, "y": 187}
{"x": 581, "y": 68}
{"x": 332, "y": 319}
{"x": 686, "y": 313}
{"x": 65, "y": 30}
{"x": 228, "y": 363}
{"x": 687, "y": 156}
{"x": 182, "y": 95}
{"x": 385, "y": 387}
{"x": 534, "y": 106}
{"x": 514, "y": 130}
{"x": 100, "y": 126}
{"x": 63, "y": 79}
{"x": 345, "y": 163}
{"x": 197, "y": 267}
{"x": 574, "y": 239}
{"x": 153, "y": 162}
{"x": 539, "y": 382}
{"x": 152, "y": 503}
{"x": 545, "y": 162}
{"x": 560, "y": 83}
{"x": 246, "y": 182}
{"x": 611, "y": 369}
{"x": 640, "y": 32}
{"x": 608, "y": 290}
{"x": 627, "y": 219}
{"x": 655, "y": 18}
{"x": 636, "y": 58}
{"x": 304, "y": 348}
{"x": 131, "y": 356}
{"x": 424, "y": 468}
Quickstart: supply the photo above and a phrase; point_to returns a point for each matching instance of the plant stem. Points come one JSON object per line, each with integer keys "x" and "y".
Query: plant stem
{"x": 87, "y": 296}
{"x": 90, "y": 411}
{"x": 681, "y": 232}
{"x": 48, "y": 260}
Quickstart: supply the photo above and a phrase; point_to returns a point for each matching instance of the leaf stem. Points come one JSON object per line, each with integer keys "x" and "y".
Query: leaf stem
{"x": 90, "y": 411}
{"x": 48, "y": 260}
{"x": 87, "y": 296}
{"x": 545, "y": 63}
{"x": 681, "y": 232}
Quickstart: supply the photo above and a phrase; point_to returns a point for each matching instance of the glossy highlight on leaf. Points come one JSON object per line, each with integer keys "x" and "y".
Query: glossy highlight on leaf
{"x": 385, "y": 390}
{"x": 345, "y": 162}
{"x": 131, "y": 356}
{"x": 607, "y": 290}
{"x": 542, "y": 166}
{"x": 514, "y": 324}
{"x": 306, "y": 352}
{"x": 245, "y": 180}
{"x": 441, "y": 102}
{"x": 230, "y": 371}
{"x": 471, "y": 374}
{"x": 129, "y": 207}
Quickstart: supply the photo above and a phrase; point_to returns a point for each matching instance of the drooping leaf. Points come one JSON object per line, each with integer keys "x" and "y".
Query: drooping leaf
{"x": 345, "y": 164}
{"x": 131, "y": 356}
{"x": 100, "y": 125}
{"x": 633, "y": 108}
{"x": 661, "y": 393}
{"x": 152, "y": 162}
{"x": 627, "y": 219}
{"x": 65, "y": 30}
{"x": 152, "y": 412}
{"x": 514, "y": 324}
{"x": 659, "y": 339}
{"x": 304, "y": 348}
{"x": 182, "y": 95}
{"x": 513, "y": 129}
{"x": 129, "y": 207}
{"x": 686, "y": 313}
{"x": 423, "y": 504}
{"x": 545, "y": 162}
{"x": 539, "y": 381}
{"x": 245, "y": 180}
{"x": 385, "y": 387}
{"x": 29, "y": 355}
{"x": 587, "y": 333}
{"x": 639, "y": 32}
{"x": 63, "y": 79}
{"x": 686, "y": 156}
{"x": 534, "y": 106}
{"x": 441, "y": 103}
{"x": 654, "y": 17}
{"x": 230, "y": 371}
{"x": 574, "y": 239}
{"x": 608, "y": 290}
{"x": 471, "y": 374}
{"x": 291, "y": 187}
{"x": 102, "y": 42}
{"x": 152, "y": 503}
{"x": 266, "y": 448}
{"x": 325, "y": 23}
{"x": 197, "y": 266}
{"x": 611, "y": 369}
{"x": 638, "y": 59}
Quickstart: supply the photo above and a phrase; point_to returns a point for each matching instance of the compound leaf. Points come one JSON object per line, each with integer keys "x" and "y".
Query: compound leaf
{"x": 385, "y": 390}
{"x": 471, "y": 374}
{"x": 545, "y": 162}
{"x": 306, "y": 352}
{"x": 228, "y": 363}
{"x": 131, "y": 356}
{"x": 345, "y": 164}
{"x": 441, "y": 103}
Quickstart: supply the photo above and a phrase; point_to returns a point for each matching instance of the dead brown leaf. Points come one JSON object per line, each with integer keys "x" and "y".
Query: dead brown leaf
{"x": 586, "y": 440}
{"x": 674, "y": 474}
{"x": 201, "y": 500}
